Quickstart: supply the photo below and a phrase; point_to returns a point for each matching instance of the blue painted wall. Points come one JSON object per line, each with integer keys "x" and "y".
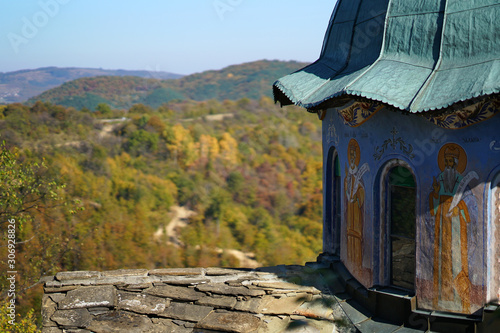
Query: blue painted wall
{"x": 415, "y": 142}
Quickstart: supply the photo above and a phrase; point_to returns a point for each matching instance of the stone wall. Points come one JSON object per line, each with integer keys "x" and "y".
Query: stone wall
{"x": 186, "y": 300}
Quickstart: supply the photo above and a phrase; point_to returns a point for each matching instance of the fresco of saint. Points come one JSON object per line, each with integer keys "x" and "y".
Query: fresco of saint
{"x": 354, "y": 198}
{"x": 451, "y": 281}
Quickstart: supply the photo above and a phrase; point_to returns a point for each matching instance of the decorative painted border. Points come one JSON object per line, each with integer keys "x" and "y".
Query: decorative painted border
{"x": 467, "y": 116}
{"x": 359, "y": 112}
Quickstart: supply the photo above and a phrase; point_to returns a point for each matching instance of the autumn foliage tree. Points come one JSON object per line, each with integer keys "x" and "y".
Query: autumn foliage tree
{"x": 250, "y": 172}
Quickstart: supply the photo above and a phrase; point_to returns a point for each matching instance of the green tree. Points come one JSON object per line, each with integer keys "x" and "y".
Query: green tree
{"x": 104, "y": 109}
{"x": 28, "y": 193}
{"x": 24, "y": 188}
{"x": 141, "y": 142}
{"x": 140, "y": 109}
{"x": 25, "y": 324}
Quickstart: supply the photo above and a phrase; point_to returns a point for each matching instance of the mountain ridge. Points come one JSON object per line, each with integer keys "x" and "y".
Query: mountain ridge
{"x": 251, "y": 80}
{"x": 18, "y": 86}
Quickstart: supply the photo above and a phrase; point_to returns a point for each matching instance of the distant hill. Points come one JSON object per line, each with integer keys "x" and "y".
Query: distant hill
{"x": 19, "y": 86}
{"x": 251, "y": 80}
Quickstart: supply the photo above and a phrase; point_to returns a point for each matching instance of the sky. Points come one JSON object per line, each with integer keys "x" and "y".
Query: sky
{"x": 178, "y": 36}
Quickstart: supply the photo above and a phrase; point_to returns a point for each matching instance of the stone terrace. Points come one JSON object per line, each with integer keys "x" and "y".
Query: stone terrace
{"x": 276, "y": 299}
{"x": 319, "y": 297}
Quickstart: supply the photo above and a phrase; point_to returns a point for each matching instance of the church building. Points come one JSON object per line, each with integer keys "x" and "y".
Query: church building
{"x": 408, "y": 96}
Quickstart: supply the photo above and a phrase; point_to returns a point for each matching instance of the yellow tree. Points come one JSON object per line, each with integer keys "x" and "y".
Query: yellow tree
{"x": 181, "y": 145}
{"x": 229, "y": 150}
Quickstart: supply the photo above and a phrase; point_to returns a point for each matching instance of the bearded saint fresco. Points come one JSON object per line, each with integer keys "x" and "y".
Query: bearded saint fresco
{"x": 354, "y": 196}
{"x": 451, "y": 282}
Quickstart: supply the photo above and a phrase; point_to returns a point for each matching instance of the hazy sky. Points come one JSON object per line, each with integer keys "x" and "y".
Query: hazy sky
{"x": 180, "y": 36}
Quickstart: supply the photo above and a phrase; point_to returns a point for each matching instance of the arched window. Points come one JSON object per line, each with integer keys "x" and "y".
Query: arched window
{"x": 401, "y": 205}
{"x": 331, "y": 228}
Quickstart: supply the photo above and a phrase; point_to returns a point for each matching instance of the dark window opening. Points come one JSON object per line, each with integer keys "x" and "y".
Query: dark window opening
{"x": 402, "y": 203}
{"x": 336, "y": 213}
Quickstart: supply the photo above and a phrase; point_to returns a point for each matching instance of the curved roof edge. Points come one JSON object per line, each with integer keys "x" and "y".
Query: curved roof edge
{"x": 415, "y": 56}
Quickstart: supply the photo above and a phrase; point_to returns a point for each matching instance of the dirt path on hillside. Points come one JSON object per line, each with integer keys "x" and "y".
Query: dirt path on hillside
{"x": 211, "y": 117}
{"x": 246, "y": 259}
{"x": 179, "y": 220}
{"x": 109, "y": 125}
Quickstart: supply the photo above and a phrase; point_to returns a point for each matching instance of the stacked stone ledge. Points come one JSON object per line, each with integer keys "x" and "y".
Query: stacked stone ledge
{"x": 182, "y": 300}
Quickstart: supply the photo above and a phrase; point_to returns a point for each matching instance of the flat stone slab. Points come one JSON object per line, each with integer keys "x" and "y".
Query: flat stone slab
{"x": 49, "y": 290}
{"x": 141, "y": 303}
{"x": 70, "y": 283}
{"x": 186, "y": 282}
{"x": 72, "y": 318}
{"x": 49, "y": 307}
{"x": 273, "y": 324}
{"x": 285, "y": 305}
{"x": 318, "y": 308}
{"x": 98, "y": 311}
{"x": 230, "y": 322}
{"x": 177, "y": 271}
{"x": 121, "y": 280}
{"x": 252, "y": 305}
{"x": 223, "y": 289}
{"x": 120, "y": 321}
{"x": 187, "y": 312}
{"x": 211, "y": 271}
{"x": 161, "y": 325}
{"x": 136, "y": 286}
{"x": 77, "y": 275}
{"x": 245, "y": 281}
{"x": 218, "y": 301}
{"x": 179, "y": 293}
{"x": 126, "y": 272}
{"x": 88, "y": 297}
{"x": 57, "y": 297}
{"x": 287, "y": 286}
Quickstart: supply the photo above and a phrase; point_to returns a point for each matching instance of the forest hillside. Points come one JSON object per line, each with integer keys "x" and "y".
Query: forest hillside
{"x": 98, "y": 190}
{"x": 19, "y": 86}
{"x": 250, "y": 80}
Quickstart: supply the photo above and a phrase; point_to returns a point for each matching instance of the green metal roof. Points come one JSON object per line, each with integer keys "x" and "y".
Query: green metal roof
{"x": 415, "y": 55}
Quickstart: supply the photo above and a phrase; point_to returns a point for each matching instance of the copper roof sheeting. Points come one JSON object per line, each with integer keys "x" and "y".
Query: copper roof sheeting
{"x": 414, "y": 55}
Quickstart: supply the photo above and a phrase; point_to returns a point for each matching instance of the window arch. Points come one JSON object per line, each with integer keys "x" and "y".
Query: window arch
{"x": 332, "y": 211}
{"x": 398, "y": 203}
